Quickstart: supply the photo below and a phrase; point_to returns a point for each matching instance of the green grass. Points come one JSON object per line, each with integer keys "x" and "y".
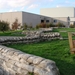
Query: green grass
{"x": 64, "y": 31}
{"x": 57, "y": 50}
{"x": 17, "y": 33}
{"x": 11, "y": 33}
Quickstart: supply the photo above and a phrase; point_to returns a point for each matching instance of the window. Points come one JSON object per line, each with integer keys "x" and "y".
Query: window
{"x": 42, "y": 21}
{"x": 47, "y": 21}
{"x": 55, "y": 21}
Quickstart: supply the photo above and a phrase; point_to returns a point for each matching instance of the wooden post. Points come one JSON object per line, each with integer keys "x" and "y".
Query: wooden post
{"x": 71, "y": 43}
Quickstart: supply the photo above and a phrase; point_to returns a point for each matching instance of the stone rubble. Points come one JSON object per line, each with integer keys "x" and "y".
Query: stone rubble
{"x": 31, "y": 38}
{"x": 15, "y": 62}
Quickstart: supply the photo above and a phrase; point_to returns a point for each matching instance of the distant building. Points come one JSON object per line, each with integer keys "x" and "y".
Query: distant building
{"x": 24, "y": 17}
{"x": 66, "y": 15}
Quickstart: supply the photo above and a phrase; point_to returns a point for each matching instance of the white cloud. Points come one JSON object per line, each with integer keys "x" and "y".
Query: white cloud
{"x": 19, "y": 3}
{"x": 15, "y": 3}
{"x": 2, "y": 3}
{"x": 12, "y": 10}
{"x": 33, "y": 6}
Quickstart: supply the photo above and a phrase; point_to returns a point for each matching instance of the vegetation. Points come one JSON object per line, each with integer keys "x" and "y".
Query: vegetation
{"x": 15, "y": 25}
{"x": 51, "y": 25}
{"x": 44, "y": 25}
{"x": 72, "y": 26}
{"x": 64, "y": 31}
{"x": 25, "y": 26}
{"x": 57, "y": 50}
{"x": 4, "y": 26}
{"x": 12, "y": 33}
{"x": 31, "y": 73}
{"x": 30, "y": 26}
{"x": 41, "y": 25}
{"x": 60, "y": 24}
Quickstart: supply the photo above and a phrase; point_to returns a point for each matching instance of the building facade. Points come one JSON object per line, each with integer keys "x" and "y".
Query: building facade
{"x": 66, "y": 15}
{"x": 24, "y": 17}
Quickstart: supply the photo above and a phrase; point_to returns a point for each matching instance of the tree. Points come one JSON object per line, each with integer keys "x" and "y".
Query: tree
{"x": 4, "y": 26}
{"x": 15, "y": 25}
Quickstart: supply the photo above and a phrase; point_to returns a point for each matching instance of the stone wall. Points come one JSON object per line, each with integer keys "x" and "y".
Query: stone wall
{"x": 31, "y": 38}
{"x": 15, "y": 62}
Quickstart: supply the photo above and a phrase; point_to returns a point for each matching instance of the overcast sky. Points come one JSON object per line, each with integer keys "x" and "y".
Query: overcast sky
{"x": 33, "y": 6}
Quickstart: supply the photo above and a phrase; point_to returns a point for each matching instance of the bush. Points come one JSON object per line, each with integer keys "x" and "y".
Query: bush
{"x": 72, "y": 26}
{"x": 30, "y": 26}
{"x": 25, "y": 26}
{"x": 37, "y": 26}
{"x": 60, "y": 25}
{"x": 42, "y": 25}
{"x": 15, "y": 25}
{"x": 51, "y": 25}
{"x": 47, "y": 25}
{"x": 4, "y": 26}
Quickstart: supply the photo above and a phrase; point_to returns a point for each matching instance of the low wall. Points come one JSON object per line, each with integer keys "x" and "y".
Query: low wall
{"x": 15, "y": 62}
{"x": 30, "y": 39}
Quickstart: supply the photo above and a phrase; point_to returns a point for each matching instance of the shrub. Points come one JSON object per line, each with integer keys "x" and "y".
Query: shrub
{"x": 25, "y": 26}
{"x": 30, "y": 26}
{"x": 37, "y": 26}
{"x": 41, "y": 25}
{"x": 60, "y": 25}
{"x": 47, "y": 25}
{"x": 51, "y": 25}
{"x": 15, "y": 25}
{"x": 4, "y": 26}
{"x": 72, "y": 26}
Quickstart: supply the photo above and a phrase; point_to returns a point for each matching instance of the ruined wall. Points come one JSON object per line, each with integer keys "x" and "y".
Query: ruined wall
{"x": 30, "y": 38}
{"x": 15, "y": 62}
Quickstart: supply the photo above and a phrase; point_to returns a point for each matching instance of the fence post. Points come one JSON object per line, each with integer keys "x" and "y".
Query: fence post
{"x": 71, "y": 43}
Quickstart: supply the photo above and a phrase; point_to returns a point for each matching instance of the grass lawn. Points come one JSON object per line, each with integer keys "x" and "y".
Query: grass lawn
{"x": 18, "y": 32}
{"x": 64, "y": 31}
{"x": 11, "y": 33}
{"x": 57, "y": 50}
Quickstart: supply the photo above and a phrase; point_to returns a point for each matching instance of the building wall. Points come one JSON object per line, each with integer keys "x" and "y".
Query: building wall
{"x": 11, "y": 17}
{"x": 23, "y": 17}
{"x": 61, "y": 14}
{"x": 33, "y": 19}
{"x": 58, "y": 12}
{"x": 62, "y": 20}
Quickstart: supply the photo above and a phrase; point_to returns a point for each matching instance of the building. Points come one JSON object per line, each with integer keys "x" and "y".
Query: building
{"x": 24, "y": 17}
{"x": 66, "y": 15}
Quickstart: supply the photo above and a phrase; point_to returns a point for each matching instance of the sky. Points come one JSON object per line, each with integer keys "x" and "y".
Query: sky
{"x": 33, "y": 6}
